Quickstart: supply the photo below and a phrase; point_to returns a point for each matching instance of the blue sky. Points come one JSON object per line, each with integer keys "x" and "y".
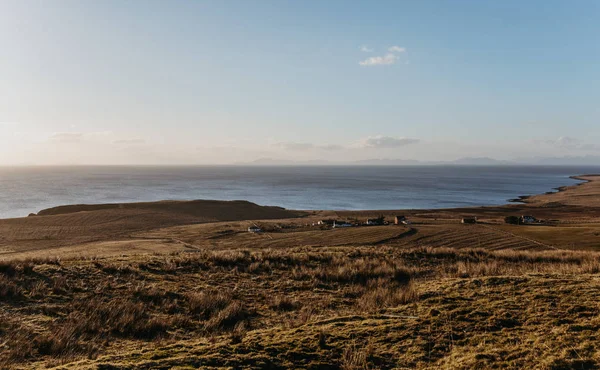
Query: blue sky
{"x": 187, "y": 82}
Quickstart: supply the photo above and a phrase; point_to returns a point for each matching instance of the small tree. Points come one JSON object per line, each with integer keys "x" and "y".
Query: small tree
{"x": 513, "y": 220}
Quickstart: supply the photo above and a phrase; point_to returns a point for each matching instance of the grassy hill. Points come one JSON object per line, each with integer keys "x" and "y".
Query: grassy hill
{"x": 312, "y": 307}
{"x": 79, "y": 225}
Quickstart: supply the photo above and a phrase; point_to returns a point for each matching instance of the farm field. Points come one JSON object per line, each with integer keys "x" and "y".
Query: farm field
{"x": 228, "y": 235}
{"x": 582, "y": 236}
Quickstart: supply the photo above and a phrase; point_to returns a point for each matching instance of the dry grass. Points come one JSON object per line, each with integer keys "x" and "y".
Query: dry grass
{"x": 60, "y": 311}
{"x": 213, "y": 295}
{"x": 105, "y": 229}
{"x": 356, "y": 357}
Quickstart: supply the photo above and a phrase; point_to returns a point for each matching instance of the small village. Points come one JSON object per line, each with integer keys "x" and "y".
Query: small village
{"x": 332, "y": 223}
{"x": 379, "y": 221}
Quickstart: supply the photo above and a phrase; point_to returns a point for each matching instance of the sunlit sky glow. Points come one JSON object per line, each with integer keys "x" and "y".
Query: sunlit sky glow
{"x": 213, "y": 82}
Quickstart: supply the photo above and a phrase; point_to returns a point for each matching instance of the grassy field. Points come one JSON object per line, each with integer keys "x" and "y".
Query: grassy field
{"x": 311, "y": 307}
{"x": 579, "y": 236}
{"x": 85, "y": 230}
{"x": 185, "y": 285}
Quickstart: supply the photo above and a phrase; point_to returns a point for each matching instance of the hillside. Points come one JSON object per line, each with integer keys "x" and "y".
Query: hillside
{"x": 78, "y": 225}
{"x": 304, "y": 308}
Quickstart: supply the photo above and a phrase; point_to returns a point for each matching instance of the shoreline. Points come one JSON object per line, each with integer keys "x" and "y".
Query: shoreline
{"x": 522, "y": 199}
{"x": 164, "y": 227}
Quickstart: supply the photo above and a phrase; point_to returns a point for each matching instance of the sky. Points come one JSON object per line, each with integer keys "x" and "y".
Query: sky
{"x": 219, "y": 81}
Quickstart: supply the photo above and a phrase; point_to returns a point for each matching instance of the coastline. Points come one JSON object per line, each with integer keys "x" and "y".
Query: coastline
{"x": 530, "y": 199}
{"x": 585, "y": 193}
{"x": 130, "y": 228}
{"x": 583, "y": 178}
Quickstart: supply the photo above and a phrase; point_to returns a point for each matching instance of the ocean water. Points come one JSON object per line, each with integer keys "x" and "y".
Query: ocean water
{"x": 29, "y": 189}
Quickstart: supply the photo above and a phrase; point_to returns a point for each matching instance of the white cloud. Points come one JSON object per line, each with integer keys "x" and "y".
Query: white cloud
{"x": 388, "y": 59}
{"x": 396, "y": 49}
{"x": 366, "y": 49}
{"x": 387, "y": 142}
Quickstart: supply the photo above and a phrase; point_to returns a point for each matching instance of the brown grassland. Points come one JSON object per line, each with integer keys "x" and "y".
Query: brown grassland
{"x": 184, "y": 285}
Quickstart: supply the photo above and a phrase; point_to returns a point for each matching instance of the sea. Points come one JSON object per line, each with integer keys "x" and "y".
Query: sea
{"x": 25, "y": 190}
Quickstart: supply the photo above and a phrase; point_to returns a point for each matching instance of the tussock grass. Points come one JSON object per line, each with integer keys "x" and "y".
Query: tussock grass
{"x": 356, "y": 357}
{"x": 206, "y": 304}
{"x": 228, "y": 318}
{"x": 378, "y": 296}
{"x": 9, "y": 289}
{"x": 284, "y": 303}
{"x": 54, "y": 310}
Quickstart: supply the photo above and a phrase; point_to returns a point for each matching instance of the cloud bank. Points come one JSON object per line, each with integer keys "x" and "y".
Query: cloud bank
{"x": 570, "y": 143}
{"x": 307, "y": 146}
{"x": 387, "y": 142}
{"x": 370, "y": 142}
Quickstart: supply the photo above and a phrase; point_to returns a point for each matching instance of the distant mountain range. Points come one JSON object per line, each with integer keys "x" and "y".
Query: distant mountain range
{"x": 467, "y": 161}
{"x": 588, "y": 160}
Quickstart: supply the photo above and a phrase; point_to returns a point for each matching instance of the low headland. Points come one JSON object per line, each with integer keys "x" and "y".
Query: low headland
{"x": 187, "y": 285}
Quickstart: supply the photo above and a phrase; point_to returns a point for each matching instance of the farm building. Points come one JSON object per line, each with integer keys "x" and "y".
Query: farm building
{"x": 399, "y": 220}
{"x": 375, "y": 221}
{"x": 254, "y": 229}
{"x": 343, "y": 224}
{"x": 528, "y": 220}
{"x": 469, "y": 220}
